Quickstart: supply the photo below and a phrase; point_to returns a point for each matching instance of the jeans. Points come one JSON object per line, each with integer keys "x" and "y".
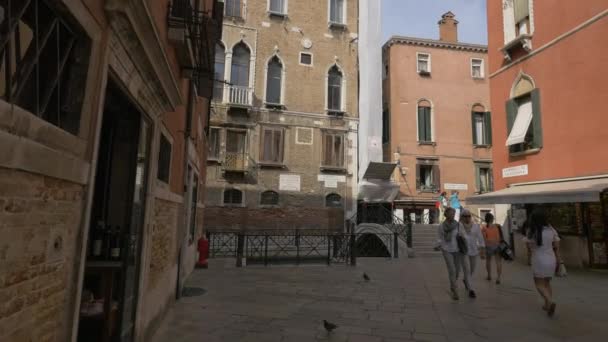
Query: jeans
{"x": 456, "y": 261}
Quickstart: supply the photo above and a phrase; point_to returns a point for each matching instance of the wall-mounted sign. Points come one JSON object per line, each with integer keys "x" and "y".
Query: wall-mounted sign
{"x": 454, "y": 186}
{"x": 289, "y": 182}
{"x": 331, "y": 181}
{"x": 515, "y": 171}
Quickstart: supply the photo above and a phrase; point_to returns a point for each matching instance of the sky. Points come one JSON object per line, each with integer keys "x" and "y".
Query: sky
{"x": 418, "y": 18}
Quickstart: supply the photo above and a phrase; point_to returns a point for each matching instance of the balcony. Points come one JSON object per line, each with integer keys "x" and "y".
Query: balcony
{"x": 238, "y": 162}
{"x": 239, "y": 96}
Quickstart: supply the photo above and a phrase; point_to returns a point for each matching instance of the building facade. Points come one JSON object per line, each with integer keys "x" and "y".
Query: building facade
{"x": 547, "y": 77}
{"x": 103, "y": 142}
{"x": 437, "y": 124}
{"x": 284, "y": 117}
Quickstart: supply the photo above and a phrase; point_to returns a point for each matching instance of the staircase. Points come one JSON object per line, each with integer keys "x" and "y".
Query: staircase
{"x": 424, "y": 238}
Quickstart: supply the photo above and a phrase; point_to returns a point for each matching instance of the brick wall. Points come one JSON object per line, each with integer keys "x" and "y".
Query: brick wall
{"x": 39, "y": 221}
{"x": 273, "y": 218}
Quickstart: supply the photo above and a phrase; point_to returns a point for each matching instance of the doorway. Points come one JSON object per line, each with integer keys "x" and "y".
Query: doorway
{"x": 597, "y": 231}
{"x": 110, "y": 285}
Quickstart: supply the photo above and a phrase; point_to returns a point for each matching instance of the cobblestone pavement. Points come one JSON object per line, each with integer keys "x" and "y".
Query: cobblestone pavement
{"x": 407, "y": 299}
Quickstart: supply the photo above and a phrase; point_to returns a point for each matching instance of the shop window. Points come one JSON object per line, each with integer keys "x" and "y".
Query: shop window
{"x": 272, "y": 145}
{"x": 333, "y": 150}
{"x": 333, "y": 201}
{"x": 164, "y": 159}
{"x": 43, "y": 62}
{"x": 269, "y": 198}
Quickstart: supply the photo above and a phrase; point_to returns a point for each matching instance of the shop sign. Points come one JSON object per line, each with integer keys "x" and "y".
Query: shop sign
{"x": 454, "y": 186}
{"x": 515, "y": 171}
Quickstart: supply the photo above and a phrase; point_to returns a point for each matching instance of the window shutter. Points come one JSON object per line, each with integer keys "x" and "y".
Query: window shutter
{"x": 421, "y": 124}
{"x": 511, "y": 114}
{"x": 477, "y": 179}
{"x": 536, "y": 119}
{"x": 427, "y": 123}
{"x": 488, "y": 128}
{"x": 491, "y": 177}
{"x": 417, "y": 176}
{"x": 436, "y": 177}
{"x": 521, "y": 9}
{"x": 473, "y": 128}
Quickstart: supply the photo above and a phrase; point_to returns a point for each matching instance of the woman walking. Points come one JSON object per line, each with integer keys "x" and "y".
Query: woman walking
{"x": 475, "y": 241}
{"x": 455, "y": 259}
{"x": 492, "y": 234}
{"x": 543, "y": 252}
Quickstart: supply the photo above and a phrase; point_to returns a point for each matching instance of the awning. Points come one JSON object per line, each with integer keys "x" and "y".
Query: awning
{"x": 521, "y": 124}
{"x": 567, "y": 191}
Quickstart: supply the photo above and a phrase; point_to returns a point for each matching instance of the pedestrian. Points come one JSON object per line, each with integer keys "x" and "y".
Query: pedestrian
{"x": 442, "y": 203}
{"x": 448, "y": 234}
{"x": 492, "y": 234}
{"x": 542, "y": 242}
{"x": 475, "y": 241}
{"x": 455, "y": 203}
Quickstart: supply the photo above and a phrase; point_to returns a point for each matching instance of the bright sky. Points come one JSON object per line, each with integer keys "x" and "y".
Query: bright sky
{"x": 418, "y": 18}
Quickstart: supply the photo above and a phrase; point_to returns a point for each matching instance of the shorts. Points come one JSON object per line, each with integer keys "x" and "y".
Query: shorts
{"x": 492, "y": 250}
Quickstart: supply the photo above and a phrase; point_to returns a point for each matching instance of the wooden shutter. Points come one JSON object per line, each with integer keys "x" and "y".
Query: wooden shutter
{"x": 491, "y": 179}
{"x": 477, "y": 178}
{"x": 511, "y": 114}
{"x": 536, "y": 119}
{"x": 418, "y": 183}
{"x": 474, "y": 131}
{"x": 421, "y": 131}
{"x": 427, "y": 123}
{"x": 436, "y": 177}
{"x": 488, "y": 127}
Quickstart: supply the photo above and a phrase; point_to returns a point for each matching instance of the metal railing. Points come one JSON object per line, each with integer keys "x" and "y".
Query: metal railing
{"x": 239, "y": 95}
{"x": 237, "y": 161}
{"x": 300, "y": 247}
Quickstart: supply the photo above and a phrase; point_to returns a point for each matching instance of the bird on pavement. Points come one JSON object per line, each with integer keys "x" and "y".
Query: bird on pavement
{"x": 329, "y": 326}
{"x": 366, "y": 277}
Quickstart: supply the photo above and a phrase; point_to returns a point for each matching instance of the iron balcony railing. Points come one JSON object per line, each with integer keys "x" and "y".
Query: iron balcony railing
{"x": 237, "y": 161}
{"x": 239, "y": 95}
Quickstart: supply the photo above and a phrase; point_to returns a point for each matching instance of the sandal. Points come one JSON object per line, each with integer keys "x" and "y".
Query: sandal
{"x": 551, "y": 310}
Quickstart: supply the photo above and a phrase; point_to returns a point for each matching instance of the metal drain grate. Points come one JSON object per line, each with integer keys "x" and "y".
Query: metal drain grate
{"x": 193, "y": 291}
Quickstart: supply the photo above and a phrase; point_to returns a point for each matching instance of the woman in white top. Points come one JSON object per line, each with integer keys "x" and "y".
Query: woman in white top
{"x": 543, "y": 252}
{"x": 475, "y": 241}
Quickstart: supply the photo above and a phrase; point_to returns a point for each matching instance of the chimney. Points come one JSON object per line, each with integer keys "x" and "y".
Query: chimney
{"x": 448, "y": 28}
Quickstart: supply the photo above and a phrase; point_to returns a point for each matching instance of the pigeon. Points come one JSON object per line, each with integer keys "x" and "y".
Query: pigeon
{"x": 329, "y": 326}
{"x": 366, "y": 277}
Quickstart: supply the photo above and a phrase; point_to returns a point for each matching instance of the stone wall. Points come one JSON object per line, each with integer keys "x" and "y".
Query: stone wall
{"x": 39, "y": 229}
{"x": 224, "y": 218}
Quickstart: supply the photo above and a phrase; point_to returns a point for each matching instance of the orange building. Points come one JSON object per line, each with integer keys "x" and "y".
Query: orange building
{"x": 548, "y": 84}
{"x": 437, "y": 119}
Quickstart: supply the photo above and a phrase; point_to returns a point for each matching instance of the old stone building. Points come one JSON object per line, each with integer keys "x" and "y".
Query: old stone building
{"x": 283, "y": 136}
{"x": 437, "y": 121}
{"x": 103, "y": 141}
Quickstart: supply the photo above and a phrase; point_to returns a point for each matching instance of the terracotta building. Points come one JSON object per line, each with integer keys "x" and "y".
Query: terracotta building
{"x": 547, "y": 75}
{"x": 284, "y": 120}
{"x": 103, "y": 141}
{"x": 437, "y": 122}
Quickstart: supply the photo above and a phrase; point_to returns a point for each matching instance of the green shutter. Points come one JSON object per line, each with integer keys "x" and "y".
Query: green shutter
{"x": 477, "y": 179}
{"x": 491, "y": 176}
{"x": 511, "y": 114}
{"x": 420, "y": 124}
{"x": 474, "y": 131}
{"x": 488, "y": 128}
{"x": 536, "y": 119}
{"x": 427, "y": 122}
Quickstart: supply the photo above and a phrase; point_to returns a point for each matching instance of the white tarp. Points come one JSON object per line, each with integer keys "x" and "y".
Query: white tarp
{"x": 374, "y": 190}
{"x": 370, "y": 83}
{"x": 521, "y": 124}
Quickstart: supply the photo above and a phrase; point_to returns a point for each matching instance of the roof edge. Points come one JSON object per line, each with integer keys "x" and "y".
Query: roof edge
{"x": 434, "y": 43}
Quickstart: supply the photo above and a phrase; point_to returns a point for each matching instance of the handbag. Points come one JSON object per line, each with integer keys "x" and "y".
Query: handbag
{"x": 462, "y": 242}
{"x": 561, "y": 270}
{"x": 503, "y": 247}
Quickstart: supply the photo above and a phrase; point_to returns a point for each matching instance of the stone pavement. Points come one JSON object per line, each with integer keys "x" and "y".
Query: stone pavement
{"x": 406, "y": 300}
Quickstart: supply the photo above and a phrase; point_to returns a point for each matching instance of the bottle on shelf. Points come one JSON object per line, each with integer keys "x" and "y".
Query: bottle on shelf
{"x": 97, "y": 246}
{"x": 115, "y": 244}
{"x": 107, "y": 240}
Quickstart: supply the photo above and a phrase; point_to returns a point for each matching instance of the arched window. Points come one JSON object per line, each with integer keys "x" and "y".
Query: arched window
{"x": 524, "y": 116}
{"x": 425, "y": 133}
{"x": 334, "y": 89}
{"x": 333, "y": 201}
{"x": 240, "y": 65}
{"x": 218, "y": 73}
{"x": 481, "y": 126}
{"x": 269, "y": 198}
{"x": 233, "y": 196}
{"x": 274, "y": 80}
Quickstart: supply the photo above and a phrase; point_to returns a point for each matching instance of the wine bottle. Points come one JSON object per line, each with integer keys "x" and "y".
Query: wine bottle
{"x": 98, "y": 240}
{"x": 115, "y": 244}
{"x": 107, "y": 238}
